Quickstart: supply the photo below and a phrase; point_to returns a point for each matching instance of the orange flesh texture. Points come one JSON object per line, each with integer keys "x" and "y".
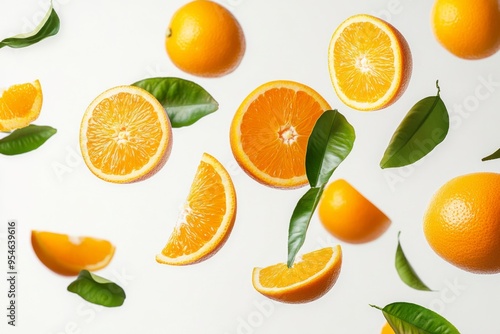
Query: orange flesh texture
{"x": 275, "y": 130}
{"x": 203, "y": 213}
{"x": 123, "y": 134}
{"x": 17, "y": 101}
{"x": 364, "y": 62}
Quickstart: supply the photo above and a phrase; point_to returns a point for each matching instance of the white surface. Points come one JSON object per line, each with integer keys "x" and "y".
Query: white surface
{"x": 102, "y": 44}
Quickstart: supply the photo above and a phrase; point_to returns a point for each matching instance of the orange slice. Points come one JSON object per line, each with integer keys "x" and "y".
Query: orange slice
{"x": 270, "y": 130}
{"x": 308, "y": 279}
{"x": 207, "y": 218}
{"x": 370, "y": 63}
{"x": 125, "y": 135}
{"x": 67, "y": 255}
{"x": 20, "y": 105}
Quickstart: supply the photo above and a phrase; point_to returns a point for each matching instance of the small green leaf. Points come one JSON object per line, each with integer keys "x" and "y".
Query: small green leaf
{"x": 25, "y": 139}
{"x": 494, "y": 155}
{"x": 185, "y": 101}
{"x": 49, "y": 26}
{"x": 330, "y": 142}
{"x": 423, "y": 128}
{"x": 408, "y": 318}
{"x": 299, "y": 222}
{"x": 406, "y": 271}
{"x": 97, "y": 290}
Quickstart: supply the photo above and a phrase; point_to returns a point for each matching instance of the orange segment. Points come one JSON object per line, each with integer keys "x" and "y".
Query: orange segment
{"x": 20, "y": 105}
{"x": 270, "y": 130}
{"x": 370, "y": 63}
{"x": 125, "y": 135}
{"x": 207, "y": 218}
{"x": 308, "y": 279}
{"x": 67, "y": 255}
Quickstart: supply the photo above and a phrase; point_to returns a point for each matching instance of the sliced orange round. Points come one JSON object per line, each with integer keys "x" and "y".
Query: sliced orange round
{"x": 270, "y": 130}
{"x": 20, "y": 105}
{"x": 308, "y": 279}
{"x": 207, "y": 218}
{"x": 370, "y": 63}
{"x": 68, "y": 255}
{"x": 125, "y": 135}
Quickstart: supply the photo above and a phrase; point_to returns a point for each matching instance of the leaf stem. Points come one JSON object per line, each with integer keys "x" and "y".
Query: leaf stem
{"x": 437, "y": 86}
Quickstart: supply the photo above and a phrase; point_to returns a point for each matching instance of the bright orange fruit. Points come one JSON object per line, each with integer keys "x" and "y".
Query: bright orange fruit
{"x": 207, "y": 218}
{"x": 125, "y": 135}
{"x": 20, "y": 105}
{"x": 310, "y": 277}
{"x": 370, "y": 63}
{"x": 270, "y": 130}
{"x": 68, "y": 255}
{"x": 462, "y": 222}
{"x": 387, "y": 329}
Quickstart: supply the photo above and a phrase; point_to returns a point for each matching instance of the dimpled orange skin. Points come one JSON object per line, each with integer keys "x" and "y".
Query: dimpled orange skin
{"x": 205, "y": 39}
{"x": 468, "y": 29}
{"x": 349, "y": 216}
{"x": 462, "y": 222}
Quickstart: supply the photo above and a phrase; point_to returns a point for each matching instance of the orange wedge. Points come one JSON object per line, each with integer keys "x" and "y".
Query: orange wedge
{"x": 308, "y": 279}
{"x": 370, "y": 63}
{"x": 67, "y": 255}
{"x": 20, "y": 105}
{"x": 125, "y": 135}
{"x": 207, "y": 218}
{"x": 270, "y": 130}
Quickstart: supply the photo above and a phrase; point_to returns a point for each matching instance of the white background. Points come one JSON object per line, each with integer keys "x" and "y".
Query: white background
{"x": 102, "y": 44}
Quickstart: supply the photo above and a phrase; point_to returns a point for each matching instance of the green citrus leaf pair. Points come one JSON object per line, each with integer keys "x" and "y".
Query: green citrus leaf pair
{"x": 408, "y": 318}
{"x": 329, "y": 144}
{"x": 25, "y": 139}
{"x": 184, "y": 101}
{"x": 97, "y": 290}
{"x": 49, "y": 26}
{"x": 422, "y": 129}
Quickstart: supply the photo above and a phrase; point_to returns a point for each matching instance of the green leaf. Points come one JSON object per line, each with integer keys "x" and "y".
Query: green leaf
{"x": 49, "y": 26}
{"x": 299, "y": 222}
{"x": 25, "y": 139}
{"x": 408, "y": 318}
{"x": 423, "y": 128}
{"x": 185, "y": 101}
{"x": 406, "y": 271}
{"x": 330, "y": 142}
{"x": 494, "y": 155}
{"x": 97, "y": 290}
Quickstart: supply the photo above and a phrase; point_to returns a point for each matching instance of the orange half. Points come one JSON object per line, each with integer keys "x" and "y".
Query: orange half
{"x": 207, "y": 218}
{"x": 68, "y": 255}
{"x": 308, "y": 279}
{"x": 270, "y": 130}
{"x": 20, "y": 105}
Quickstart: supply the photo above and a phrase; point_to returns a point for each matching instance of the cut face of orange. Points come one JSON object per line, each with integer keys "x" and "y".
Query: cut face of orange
{"x": 207, "y": 218}
{"x": 308, "y": 279}
{"x": 125, "y": 135}
{"x": 67, "y": 255}
{"x": 370, "y": 63}
{"x": 270, "y": 130}
{"x": 20, "y": 105}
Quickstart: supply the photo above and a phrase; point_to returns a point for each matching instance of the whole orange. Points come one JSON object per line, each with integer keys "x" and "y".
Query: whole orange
{"x": 205, "y": 39}
{"x": 468, "y": 29}
{"x": 350, "y": 216}
{"x": 462, "y": 222}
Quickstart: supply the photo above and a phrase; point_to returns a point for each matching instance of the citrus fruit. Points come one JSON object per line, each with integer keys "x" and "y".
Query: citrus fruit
{"x": 370, "y": 63}
{"x": 270, "y": 130}
{"x": 125, "y": 135}
{"x": 68, "y": 255}
{"x": 207, "y": 218}
{"x": 462, "y": 222}
{"x": 310, "y": 277}
{"x": 467, "y": 29}
{"x": 205, "y": 39}
{"x": 350, "y": 216}
{"x": 20, "y": 105}
{"x": 387, "y": 329}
